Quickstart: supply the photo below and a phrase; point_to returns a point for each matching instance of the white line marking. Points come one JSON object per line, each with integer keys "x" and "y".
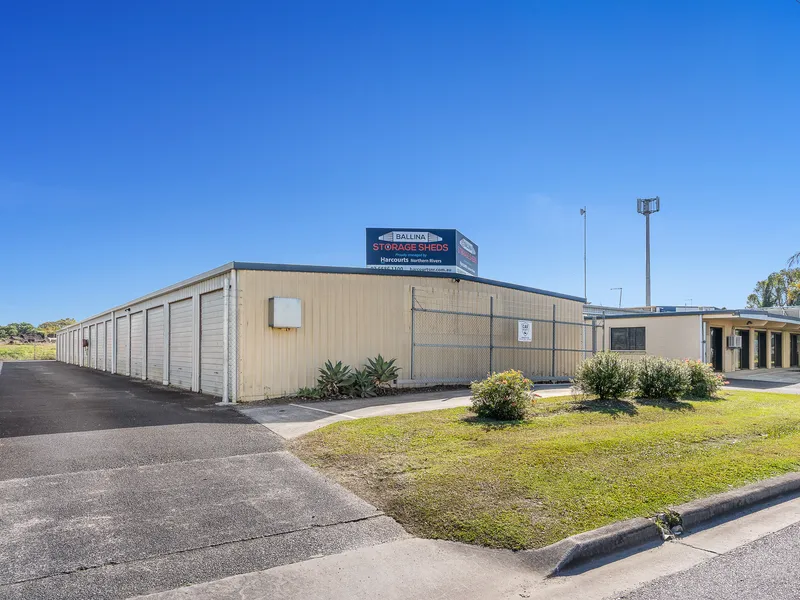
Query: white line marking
{"x": 324, "y": 411}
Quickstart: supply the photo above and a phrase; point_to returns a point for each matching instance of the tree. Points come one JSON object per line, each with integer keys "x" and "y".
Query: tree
{"x": 50, "y": 327}
{"x": 779, "y": 289}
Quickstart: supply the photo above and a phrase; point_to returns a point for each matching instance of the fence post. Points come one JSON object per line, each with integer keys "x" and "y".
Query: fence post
{"x": 491, "y": 334}
{"x": 411, "y": 371}
{"x": 594, "y": 336}
{"x": 553, "y": 370}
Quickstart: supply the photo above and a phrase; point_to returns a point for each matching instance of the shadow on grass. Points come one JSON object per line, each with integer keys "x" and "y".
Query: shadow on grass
{"x": 491, "y": 424}
{"x": 678, "y": 405}
{"x": 614, "y": 408}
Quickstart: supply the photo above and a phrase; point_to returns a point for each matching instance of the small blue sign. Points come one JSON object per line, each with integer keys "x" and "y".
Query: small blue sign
{"x": 407, "y": 249}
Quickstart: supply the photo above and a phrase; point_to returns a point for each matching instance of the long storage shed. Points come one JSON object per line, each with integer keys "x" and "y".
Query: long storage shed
{"x": 249, "y": 331}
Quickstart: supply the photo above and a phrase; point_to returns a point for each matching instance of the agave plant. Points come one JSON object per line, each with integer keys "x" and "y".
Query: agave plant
{"x": 363, "y": 385}
{"x": 334, "y": 380}
{"x": 308, "y": 393}
{"x": 382, "y": 372}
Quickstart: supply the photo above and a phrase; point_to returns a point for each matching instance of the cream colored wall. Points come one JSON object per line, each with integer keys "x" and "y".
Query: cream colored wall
{"x": 350, "y": 317}
{"x": 731, "y": 356}
{"x": 670, "y": 335}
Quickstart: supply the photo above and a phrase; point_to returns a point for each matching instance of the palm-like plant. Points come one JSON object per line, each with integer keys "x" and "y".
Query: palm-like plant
{"x": 383, "y": 372}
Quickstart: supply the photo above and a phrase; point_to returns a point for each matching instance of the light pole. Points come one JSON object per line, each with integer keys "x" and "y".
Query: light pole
{"x": 646, "y": 207}
{"x": 620, "y": 295}
{"x": 583, "y": 214}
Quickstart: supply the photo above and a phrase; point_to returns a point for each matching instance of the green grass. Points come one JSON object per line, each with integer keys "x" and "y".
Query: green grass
{"x": 25, "y": 352}
{"x": 571, "y": 467}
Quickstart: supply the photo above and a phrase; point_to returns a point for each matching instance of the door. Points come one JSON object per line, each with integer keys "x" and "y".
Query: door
{"x": 92, "y": 347}
{"x": 211, "y": 363}
{"x": 744, "y": 351}
{"x": 122, "y": 346}
{"x": 715, "y": 346}
{"x": 101, "y": 346}
{"x": 155, "y": 344}
{"x": 180, "y": 344}
{"x": 109, "y": 346}
{"x": 776, "y": 350}
{"x": 760, "y": 350}
{"x": 794, "y": 349}
{"x": 137, "y": 344}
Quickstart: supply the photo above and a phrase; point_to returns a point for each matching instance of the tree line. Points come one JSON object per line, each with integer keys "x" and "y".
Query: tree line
{"x": 48, "y": 328}
{"x": 781, "y": 288}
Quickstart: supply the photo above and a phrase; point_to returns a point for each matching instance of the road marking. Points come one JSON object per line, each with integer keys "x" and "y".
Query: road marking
{"x": 324, "y": 411}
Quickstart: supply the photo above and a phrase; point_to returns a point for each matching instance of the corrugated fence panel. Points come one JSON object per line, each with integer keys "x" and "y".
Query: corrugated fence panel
{"x": 180, "y": 344}
{"x": 211, "y": 327}
{"x": 155, "y": 344}
{"x": 122, "y": 346}
{"x": 137, "y": 344}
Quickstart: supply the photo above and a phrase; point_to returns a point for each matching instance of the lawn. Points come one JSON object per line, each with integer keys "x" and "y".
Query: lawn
{"x": 572, "y": 466}
{"x": 26, "y": 352}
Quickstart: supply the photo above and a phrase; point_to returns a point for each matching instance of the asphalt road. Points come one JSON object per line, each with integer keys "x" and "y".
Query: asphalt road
{"x": 111, "y": 488}
{"x": 766, "y": 569}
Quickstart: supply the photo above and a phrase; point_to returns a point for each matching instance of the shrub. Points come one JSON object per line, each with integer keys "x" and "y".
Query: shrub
{"x": 705, "y": 383}
{"x": 661, "y": 378}
{"x": 308, "y": 393}
{"x": 502, "y": 396}
{"x": 363, "y": 385}
{"x": 382, "y": 372}
{"x": 606, "y": 375}
{"x": 334, "y": 380}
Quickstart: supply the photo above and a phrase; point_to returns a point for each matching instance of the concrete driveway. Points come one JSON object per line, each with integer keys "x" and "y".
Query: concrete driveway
{"x": 111, "y": 488}
{"x": 781, "y": 381}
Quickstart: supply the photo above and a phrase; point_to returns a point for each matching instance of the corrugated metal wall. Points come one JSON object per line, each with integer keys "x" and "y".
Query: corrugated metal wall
{"x": 350, "y": 317}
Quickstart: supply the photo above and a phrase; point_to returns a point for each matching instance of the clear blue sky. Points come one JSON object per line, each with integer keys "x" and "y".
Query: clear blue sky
{"x": 124, "y": 127}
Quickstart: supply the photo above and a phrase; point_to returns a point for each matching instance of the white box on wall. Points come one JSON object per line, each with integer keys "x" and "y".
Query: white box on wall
{"x": 285, "y": 313}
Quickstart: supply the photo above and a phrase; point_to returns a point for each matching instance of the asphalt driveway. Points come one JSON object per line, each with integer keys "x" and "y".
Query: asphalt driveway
{"x": 111, "y": 488}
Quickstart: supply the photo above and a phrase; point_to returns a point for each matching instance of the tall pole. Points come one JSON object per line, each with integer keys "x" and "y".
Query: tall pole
{"x": 647, "y": 253}
{"x": 585, "y": 295}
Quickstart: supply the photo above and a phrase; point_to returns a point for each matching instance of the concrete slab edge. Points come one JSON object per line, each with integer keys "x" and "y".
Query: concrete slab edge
{"x": 634, "y": 533}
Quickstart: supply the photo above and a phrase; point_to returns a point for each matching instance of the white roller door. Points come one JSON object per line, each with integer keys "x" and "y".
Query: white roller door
{"x": 180, "y": 344}
{"x": 211, "y": 319}
{"x": 75, "y": 347}
{"x": 101, "y": 346}
{"x": 92, "y": 346}
{"x": 155, "y": 344}
{"x": 109, "y": 346}
{"x": 137, "y": 344}
{"x": 122, "y": 346}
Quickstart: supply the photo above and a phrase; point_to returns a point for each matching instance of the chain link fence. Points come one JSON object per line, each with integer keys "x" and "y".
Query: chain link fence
{"x": 461, "y": 336}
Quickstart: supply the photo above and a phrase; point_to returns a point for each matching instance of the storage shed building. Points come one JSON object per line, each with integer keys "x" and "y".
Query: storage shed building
{"x": 249, "y": 331}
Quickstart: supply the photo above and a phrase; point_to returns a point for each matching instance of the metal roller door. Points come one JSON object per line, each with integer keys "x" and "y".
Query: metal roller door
{"x": 122, "y": 346}
{"x": 211, "y": 320}
{"x": 109, "y": 346}
{"x": 92, "y": 347}
{"x": 180, "y": 344}
{"x": 137, "y": 345}
{"x": 75, "y": 347}
{"x": 155, "y": 344}
{"x": 101, "y": 346}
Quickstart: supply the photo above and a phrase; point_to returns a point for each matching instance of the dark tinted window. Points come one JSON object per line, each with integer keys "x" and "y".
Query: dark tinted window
{"x": 627, "y": 338}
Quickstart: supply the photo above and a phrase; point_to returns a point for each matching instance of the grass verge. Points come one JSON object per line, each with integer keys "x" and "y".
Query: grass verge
{"x": 573, "y": 466}
{"x": 26, "y": 352}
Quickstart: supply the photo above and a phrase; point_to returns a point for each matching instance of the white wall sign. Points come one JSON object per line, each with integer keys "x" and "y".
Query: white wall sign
{"x": 524, "y": 331}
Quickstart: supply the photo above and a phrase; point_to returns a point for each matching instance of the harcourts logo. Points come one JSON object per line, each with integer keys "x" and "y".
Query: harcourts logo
{"x": 410, "y": 236}
{"x": 467, "y": 246}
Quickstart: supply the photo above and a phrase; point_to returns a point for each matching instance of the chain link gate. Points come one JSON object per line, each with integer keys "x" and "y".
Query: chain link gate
{"x": 458, "y": 337}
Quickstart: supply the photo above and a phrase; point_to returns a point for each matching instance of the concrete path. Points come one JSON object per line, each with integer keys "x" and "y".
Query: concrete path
{"x": 447, "y": 571}
{"x": 293, "y": 420}
{"x": 111, "y": 488}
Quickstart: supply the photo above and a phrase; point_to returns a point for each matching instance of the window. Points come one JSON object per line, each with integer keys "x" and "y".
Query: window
{"x": 627, "y": 338}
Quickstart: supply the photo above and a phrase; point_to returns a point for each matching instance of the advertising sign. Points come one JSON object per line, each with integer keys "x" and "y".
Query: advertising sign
{"x": 524, "y": 331}
{"x": 439, "y": 250}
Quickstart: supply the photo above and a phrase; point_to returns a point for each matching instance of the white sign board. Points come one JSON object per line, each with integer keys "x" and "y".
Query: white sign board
{"x": 524, "y": 331}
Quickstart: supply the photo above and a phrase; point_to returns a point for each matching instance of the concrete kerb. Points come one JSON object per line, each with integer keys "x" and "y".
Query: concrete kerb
{"x": 640, "y": 532}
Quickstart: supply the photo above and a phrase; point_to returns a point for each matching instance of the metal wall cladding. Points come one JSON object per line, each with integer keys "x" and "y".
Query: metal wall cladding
{"x": 181, "y": 338}
{"x": 155, "y": 344}
{"x": 122, "y": 346}
{"x": 211, "y": 343}
{"x": 137, "y": 344}
{"x": 351, "y": 317}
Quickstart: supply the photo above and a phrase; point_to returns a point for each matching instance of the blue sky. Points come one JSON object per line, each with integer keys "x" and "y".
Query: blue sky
{"x": 124, "y": 126}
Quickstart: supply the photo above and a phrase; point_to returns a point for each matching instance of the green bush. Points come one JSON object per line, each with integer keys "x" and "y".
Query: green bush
{"x": 363, "y": 385}
{"x": 308, "y": 393}
{"x": 705, "y": 383}
{"x": 503, "y": 396}
{"x": 606, "y": 375}
{"x": 335, "y": 380}
{"x": 382, "y": 372}
{"x": 661, "y": 378}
